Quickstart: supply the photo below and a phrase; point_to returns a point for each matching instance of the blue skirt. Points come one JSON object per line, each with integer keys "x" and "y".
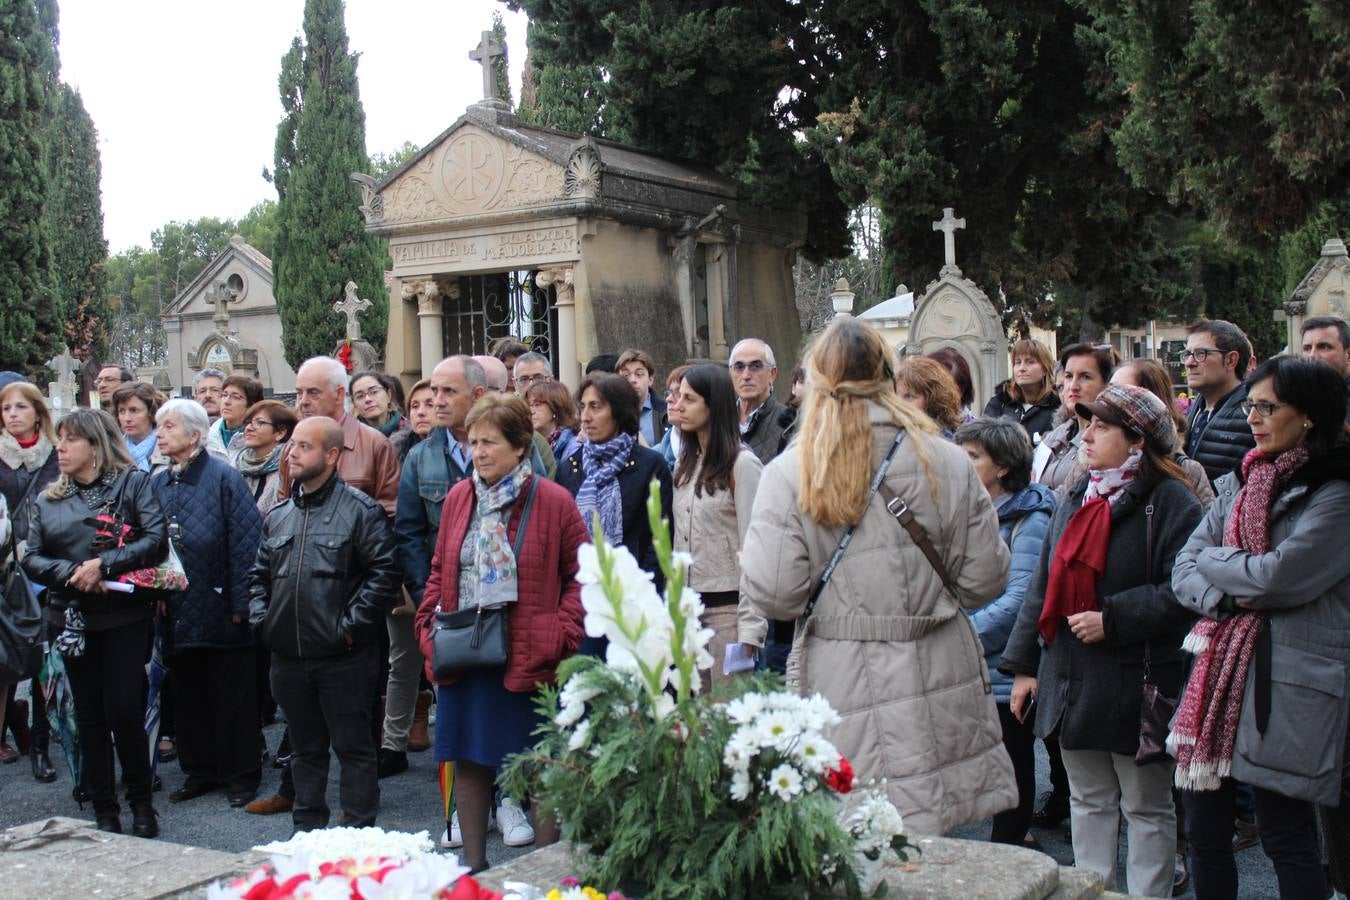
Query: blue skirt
{"x": 479, "y": 721}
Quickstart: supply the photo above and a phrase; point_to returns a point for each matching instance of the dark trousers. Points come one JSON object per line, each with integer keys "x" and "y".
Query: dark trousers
{"x": 217, "y": 727}
{"x": 1010, "y": 826}
{"x": 1288, "y": 831}
{"x": 108, "y": 682}
{"x": 328, "y": 703}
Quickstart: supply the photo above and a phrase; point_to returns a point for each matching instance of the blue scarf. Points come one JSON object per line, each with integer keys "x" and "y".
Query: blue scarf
{"x": 141, "y": 453}
{"x": 599, "y": 493}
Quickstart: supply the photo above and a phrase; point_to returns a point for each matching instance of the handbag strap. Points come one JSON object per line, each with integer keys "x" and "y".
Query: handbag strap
{"x": 524, "y": 518}
{"x": 848, "y": 533}
{"x": 1148, "y": 573}
{"x": 897, "y": 507}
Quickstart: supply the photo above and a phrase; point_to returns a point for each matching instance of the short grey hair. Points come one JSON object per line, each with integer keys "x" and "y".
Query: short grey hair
{"x": 768, "y": 351}
{"x": 1007, "y": 444}
{"x": 190, "y": 414}
{"x": 533, "y": 357}
{"x": 472, "y": 368}
{"x": 200, "y": 376}
{"x": 336, "y": 371}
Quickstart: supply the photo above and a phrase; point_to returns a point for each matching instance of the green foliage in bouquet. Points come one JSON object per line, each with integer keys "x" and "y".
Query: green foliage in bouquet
{"x": 675, "y": 793}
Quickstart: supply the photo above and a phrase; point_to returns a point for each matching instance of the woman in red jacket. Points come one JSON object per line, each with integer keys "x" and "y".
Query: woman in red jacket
{"x": 484, "y": 716}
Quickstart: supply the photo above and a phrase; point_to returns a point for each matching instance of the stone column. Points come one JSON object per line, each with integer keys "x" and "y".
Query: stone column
{"x": 565, "y": 341}
{"x": 430, "y": 316}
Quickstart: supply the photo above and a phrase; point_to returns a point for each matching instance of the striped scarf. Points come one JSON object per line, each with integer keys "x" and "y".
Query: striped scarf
{"x": 1204, "y": 732}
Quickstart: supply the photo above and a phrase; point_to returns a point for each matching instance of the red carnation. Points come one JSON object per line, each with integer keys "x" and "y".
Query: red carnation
{"x": 841, "y": 778}
{"x": 468, "y": 889}
{"x": 345, "y": 355}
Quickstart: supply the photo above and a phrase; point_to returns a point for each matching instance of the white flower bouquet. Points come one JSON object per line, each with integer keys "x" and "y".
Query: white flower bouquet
{"x": 675, "y": 793}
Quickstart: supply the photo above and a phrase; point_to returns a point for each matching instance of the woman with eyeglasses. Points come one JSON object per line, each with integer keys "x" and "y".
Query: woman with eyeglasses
{"x": 669, "y": 446}
{"x": 237, "y": 394}
{"x": 374, "y": 404}
{"x": 1265, "y": 704}
{"x": 554, "y": 416}
{"x": 267, "y": 427}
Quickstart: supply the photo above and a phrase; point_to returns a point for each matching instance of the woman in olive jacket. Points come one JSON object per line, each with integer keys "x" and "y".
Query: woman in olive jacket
{"x": 108, "y": 677}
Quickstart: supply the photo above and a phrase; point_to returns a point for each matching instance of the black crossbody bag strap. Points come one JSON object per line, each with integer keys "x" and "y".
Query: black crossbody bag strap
{"x": 848, "y": 533}
{"x": 524, "y": 519}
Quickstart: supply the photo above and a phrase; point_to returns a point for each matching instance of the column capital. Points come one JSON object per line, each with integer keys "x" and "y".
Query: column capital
{"x": 559, "y": 277}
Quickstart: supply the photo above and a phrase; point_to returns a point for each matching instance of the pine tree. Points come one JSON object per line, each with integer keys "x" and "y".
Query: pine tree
{"x": 27, "y": 62}
{"x": 75, "y": 225}
{"x": 321, "y": 241}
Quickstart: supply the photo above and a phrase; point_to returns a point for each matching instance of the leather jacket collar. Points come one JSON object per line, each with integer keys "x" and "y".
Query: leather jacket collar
{"x": 305, "y": 498}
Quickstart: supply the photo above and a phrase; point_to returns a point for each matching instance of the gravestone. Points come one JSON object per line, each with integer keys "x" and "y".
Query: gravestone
{"x": 953, "y": 312}
{"x": 364, "y": 357}
{"x": 1324, "y": 291}
{"x": 61, "y": 392}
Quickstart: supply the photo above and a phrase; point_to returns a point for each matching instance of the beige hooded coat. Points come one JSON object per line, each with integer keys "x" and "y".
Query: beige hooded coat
{"x": 887, "y": 645}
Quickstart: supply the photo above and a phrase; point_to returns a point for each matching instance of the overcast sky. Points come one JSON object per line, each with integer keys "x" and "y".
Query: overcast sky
{"x": 184, "y": 93}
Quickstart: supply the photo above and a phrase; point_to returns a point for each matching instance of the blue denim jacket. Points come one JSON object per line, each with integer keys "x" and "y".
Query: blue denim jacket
{"x": 428, "y": 475}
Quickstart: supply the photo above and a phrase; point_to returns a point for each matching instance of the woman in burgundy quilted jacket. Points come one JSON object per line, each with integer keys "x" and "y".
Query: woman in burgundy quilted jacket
{"x": 484, "y": 716}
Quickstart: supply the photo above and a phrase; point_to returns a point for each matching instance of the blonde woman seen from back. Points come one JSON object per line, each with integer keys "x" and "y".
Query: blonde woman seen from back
{"x": 888, "y": 645}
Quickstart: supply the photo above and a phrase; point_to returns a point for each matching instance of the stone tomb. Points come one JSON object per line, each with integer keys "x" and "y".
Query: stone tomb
{"x": 954, "y": 312}
{"x": 227, "y": 319}
{"x": 577, "y": 246}
{"x": 62, "y": 857}
{"x": 1324, "y": 291}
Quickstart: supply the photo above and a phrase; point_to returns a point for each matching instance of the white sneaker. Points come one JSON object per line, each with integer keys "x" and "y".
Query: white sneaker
{"x": 514, "y": 824}
{"x": 452, "y": 839}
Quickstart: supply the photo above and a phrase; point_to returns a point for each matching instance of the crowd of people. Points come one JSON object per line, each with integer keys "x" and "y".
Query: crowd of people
{"x": 1068, "y": 567}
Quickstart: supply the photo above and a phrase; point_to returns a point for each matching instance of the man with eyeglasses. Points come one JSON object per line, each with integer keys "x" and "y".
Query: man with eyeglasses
{"x": 109, "y": 379}
{"x": 1216, "y": 358}
{"x": 531, "y": 368}
{"x": 1327, "y": 338}
{"x": 639, "y": 370}
{"x": 763, "y": 418}
{"x": 207, "y": 387}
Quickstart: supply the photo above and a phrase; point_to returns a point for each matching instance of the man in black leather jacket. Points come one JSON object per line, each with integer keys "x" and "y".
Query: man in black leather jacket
{"x": 320, "y": 589}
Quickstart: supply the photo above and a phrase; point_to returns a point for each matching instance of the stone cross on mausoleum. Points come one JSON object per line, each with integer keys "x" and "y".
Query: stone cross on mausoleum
{"x": 350, "y": 307}
{"x": 62, "y": 391}
{"x": 488, "y": 51}
{"x": 948, "y": 225}
{"x": 219, "y": 296}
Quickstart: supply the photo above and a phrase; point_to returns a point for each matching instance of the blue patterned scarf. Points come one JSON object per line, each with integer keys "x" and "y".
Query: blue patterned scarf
{"x": 599, "y": 493}
{"x": 493, "y": 560}
{"x": 141, "y": 453}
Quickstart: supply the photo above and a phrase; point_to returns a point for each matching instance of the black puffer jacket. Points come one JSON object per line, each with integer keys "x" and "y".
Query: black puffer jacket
{"x": 1090, "y": 693}
{"x": 325, "y": 575}
{"x": 1038, "y": 421}
{"x": 217, "y": 540}
{"x": 61, "y": 535}
{"x": 1226, "y": 439}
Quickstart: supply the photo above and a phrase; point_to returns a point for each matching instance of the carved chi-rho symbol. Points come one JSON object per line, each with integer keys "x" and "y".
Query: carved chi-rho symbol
{"x": 469, "y": 169}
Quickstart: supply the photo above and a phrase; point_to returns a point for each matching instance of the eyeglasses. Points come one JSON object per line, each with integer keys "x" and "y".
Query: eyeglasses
{"x": 1199, "y": 354}
{"x": 755, "y": 366}
{"x": 207, "y": 392}
{"x": 257, "y": 423}
{"x": 233, "y": 395}
{"x": 533, "y": 379}
{"x": 108, "y": 379}
{"x": 1264, "y": 408}
{"x": 368, "y": 392}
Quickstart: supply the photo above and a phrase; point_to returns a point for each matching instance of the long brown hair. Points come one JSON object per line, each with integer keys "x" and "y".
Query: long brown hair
{"x": 98, "y": 428}
{"x": 34, "y": 397}
{"x": 1041, "y": 353}
{"x": 849, "y": 368}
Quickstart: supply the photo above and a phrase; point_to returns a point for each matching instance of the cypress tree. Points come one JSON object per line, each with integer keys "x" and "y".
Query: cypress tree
{"x": 75, "y": 225}
{"x": 27, "y": 62}
{"x": 321, "y": 241}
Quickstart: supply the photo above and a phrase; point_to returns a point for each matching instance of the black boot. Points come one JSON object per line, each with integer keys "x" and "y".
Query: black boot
{"x": 143, "y": 821}
{"x": 42, "y": 764}
{"x": 109, "y": 821}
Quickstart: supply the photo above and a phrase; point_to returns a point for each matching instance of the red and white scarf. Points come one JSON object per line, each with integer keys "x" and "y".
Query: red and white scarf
{"x": 1205, "y": 730}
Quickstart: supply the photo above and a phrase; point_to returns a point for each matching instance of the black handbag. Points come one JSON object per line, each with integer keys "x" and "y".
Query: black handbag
{"x": 20, "y": 621}
{"x": 468, "y": 640}
{"x": 1155, "y": 709}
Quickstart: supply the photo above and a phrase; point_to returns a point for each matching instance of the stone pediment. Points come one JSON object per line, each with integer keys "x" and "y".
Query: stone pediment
{"x": 1323, "y": 290}
{"x": 469, "y": 172}
{"x": 242, "y": 268}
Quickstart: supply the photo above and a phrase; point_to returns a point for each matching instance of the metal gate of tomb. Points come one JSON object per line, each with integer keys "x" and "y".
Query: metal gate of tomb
{"x": 498, "y": 305}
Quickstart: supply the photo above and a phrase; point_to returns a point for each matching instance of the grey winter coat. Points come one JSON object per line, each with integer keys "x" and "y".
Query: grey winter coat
{"x": 887, "y": 645}
{"x": 1303, "y": 584}
{"x": 1090, "y": 693}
